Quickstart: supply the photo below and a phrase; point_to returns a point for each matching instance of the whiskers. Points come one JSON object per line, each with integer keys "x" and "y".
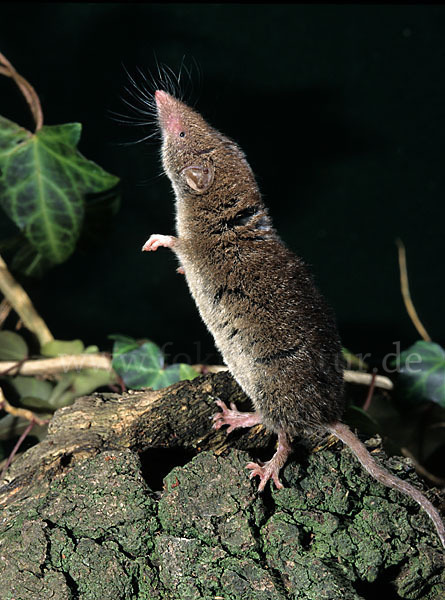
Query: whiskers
{"x": 139, "y": 100}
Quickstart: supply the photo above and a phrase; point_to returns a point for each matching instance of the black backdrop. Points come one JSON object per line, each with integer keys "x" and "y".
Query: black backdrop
{"x": 340, "y": 110}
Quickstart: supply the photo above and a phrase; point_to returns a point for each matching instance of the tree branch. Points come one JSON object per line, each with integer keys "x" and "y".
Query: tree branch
{"x": 21, "y": 303}
{"x": 27, "y": 90}
{"x": 54, "y": 366}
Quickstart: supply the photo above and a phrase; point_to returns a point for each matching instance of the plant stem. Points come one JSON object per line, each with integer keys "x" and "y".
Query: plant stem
{"x": 54, "y": 366}
{"x": 404, "y": 286}
{"x": 26, "y": 88}
{"x": 21, "y": 303}
{"x": 15, "y": 411}
{"x": 16, "y": 448}
{"x": 367, "y": 403}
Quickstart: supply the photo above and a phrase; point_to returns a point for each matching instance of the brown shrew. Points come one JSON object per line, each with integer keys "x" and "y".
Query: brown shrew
{"x": 272, "y": 326}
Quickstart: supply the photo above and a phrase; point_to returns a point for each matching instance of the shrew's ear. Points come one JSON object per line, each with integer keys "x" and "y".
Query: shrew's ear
{"x": 199, "y": 178}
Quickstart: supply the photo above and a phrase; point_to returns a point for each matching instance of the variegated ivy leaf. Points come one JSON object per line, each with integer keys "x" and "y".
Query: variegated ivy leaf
{"x": 142, "y": 365}
{"x": 43, "y": 183}
{"x": 422, "y": 371}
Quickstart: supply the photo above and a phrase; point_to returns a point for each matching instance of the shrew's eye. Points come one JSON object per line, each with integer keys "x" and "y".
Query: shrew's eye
{"x": 182, "y": 134}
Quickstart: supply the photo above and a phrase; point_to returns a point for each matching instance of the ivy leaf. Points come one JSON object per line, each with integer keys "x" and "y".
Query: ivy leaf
{"x": 142, "y": 365}
{"x": 187, "y": 372}
{"x": 29, "y": 261}
{"x": 123, "y": 344}
{"x": 61, "y": 347}
{"x": 43, "y": 183}
{"x": 31, "y": 387}
{"x": 74, "y": 384}
{"x": 162, "y": 378}
{"x": 139, "y": 367}
{"x": 12, "y": 346}
{"x": 91, "y": 349}
{"x": 422, "y": 372}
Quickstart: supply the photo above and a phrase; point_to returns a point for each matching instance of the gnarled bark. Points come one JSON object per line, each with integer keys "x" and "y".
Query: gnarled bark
{"x": 80, "y": 522}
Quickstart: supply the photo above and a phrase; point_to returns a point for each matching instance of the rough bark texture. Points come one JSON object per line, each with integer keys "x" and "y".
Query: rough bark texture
{"x": 176, "y": 417}
{"x": 85, "y": 525}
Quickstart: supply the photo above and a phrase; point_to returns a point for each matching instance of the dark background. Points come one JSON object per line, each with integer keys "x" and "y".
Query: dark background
{"x": 340, "y": 110}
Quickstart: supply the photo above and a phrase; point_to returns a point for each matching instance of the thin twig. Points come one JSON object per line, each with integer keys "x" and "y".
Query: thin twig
{"x": 367, "y": 403}
{"x": 16, "y": 448}
{"x": 24, "y": 413}
{"x": 404, "y": 286}
{"x": 27, "y": 90}
{"x": 366, "y": 378}
{"x": 438, "y": 481}
{"x": 21, "y": 303}
{"x": 5, "y": 309}
{"x": 55, "y": 366}
{"x": 14, "y": 367}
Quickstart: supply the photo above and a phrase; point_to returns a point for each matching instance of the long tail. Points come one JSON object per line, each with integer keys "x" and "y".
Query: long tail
{"x": 361, "y": 452}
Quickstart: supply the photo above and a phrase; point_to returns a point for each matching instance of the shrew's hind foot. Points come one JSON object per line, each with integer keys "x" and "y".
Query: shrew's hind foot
{"x": 233, "y": 417}
{"x": 271, "y": 469}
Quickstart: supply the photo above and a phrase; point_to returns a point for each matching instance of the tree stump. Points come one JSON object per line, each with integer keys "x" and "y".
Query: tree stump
{"x": 79, "y": 519}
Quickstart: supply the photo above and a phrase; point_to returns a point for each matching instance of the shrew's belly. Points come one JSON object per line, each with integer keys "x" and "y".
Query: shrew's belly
{"x": 228, "y": 328}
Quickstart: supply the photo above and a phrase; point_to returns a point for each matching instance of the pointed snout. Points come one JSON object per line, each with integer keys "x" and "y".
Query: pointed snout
{"x": 162, "y": 98}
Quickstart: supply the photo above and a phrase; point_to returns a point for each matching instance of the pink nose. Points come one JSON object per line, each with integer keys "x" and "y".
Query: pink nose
{"x": 161, "y": 97}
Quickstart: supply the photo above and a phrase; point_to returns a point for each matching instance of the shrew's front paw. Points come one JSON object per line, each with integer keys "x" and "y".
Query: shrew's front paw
{"x": 156, "y": 240}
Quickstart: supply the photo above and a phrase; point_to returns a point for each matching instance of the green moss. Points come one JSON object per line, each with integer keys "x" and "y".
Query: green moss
{"x": 332, "y": 533}
{"x": 212, "y": 500}
{"x": 105, "y": 497}
{"x": 83, "y": 539}
{"x": 245, "y": 578}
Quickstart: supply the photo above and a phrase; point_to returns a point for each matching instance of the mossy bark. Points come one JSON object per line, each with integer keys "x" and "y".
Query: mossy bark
{"x": 92, "y": 528}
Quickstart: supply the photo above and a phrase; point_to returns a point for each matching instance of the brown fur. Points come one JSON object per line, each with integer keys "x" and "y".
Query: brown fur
{"x": 273, "y": 328}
